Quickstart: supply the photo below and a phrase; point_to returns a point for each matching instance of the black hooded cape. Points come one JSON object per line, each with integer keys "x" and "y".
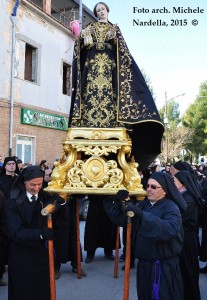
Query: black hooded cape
{"x": 156, "y": 236}
{"x": 189, "y": 263}
{"x": 28, "y": 271}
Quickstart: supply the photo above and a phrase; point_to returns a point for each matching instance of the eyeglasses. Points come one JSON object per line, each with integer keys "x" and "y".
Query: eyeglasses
{"x": 153, "y": 186}
{"x": 11, "y": 163}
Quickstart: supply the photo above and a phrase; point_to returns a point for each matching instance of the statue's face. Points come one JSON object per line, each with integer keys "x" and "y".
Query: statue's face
{"x": 102, "y": 12}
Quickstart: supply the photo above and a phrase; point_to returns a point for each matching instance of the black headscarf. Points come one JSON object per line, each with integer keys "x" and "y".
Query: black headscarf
{"x": 168, "y": 185}
{"x": 29, "y": 173}
{"x": 182, "y": 165}
{"x": 187, "y": 179}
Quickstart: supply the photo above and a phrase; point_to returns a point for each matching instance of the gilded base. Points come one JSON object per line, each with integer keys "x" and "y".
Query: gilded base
{"x": 96, "y": 161}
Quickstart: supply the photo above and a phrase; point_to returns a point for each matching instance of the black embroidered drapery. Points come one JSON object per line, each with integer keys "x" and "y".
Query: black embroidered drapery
{"x": 109, "y": 91}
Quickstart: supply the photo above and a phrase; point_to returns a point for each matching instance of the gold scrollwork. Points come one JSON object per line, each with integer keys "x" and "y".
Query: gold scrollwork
{"x": 87, "y": 167}
{"x": 96, "y": 150}
{"x": 58, "y": 177}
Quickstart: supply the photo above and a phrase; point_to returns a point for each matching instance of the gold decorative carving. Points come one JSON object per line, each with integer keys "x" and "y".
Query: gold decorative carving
{"x": 58, "y": 177}
{"x": 94, "y": 162}
{"x": 97, "y": 150}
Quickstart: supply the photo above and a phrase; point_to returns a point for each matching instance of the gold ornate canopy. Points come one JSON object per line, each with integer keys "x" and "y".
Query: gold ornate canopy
{"x": 96, "y": 161}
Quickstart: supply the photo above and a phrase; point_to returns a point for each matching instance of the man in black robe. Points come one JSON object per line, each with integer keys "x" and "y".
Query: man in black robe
{"x": 28, "y": 271}
{"x": 157, "y": 236}
{"x": 3, "y": 240}
{"x": 8, "y": 175}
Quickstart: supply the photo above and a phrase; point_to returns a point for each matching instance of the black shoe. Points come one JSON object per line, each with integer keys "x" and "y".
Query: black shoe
{"x": 110, "y": 256}
{"x": 122, "y": 258}
{"x": 203, "y": 270}
{"x": 132, "y": 265}
{"x": 57, "y": 274}
{"x": 74, "y": 270}
{"x": 89, "y": 259}
{"x": 2, "y": 282}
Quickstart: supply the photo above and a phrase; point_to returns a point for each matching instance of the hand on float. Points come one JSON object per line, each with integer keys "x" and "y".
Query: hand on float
{"x": 134, "y": 208}
{"x": 122, "y": 195}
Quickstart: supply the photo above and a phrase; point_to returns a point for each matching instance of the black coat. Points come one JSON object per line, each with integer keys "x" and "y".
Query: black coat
{"x": 6, "y": 182}
{"x": 28, "y": 270}
{"x": 157, "y": 236}
{"x": 99, "y": 229}
{"x": 203, "y": 247}
{"x": 189, "y": 264}
{"x": 66, "y": 237}
{"x": 3, "y": 235}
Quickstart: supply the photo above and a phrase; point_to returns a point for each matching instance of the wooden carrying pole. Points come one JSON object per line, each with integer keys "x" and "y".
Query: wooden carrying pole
{"x": 78, "y": 239}
{"x": 117, "y": 253}
{"x": 127, "y": 260}
{"x": 51, "y": 262}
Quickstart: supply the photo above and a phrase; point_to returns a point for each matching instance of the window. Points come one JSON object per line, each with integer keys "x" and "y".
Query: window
{"x": 66, "y": 79}
{"x": 28, "y": 55}
{"x": 30, "y": 70}
{"x": 26, "y": 148}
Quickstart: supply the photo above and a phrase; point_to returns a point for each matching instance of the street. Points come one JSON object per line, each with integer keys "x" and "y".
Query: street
{"x": 99, "y": 282}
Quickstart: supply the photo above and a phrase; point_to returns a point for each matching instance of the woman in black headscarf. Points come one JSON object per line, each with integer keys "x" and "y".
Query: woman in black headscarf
{"x": 180, "y": 166}
{"x": 189, "y": 263}
{"x": 28, "y": 276}
{"x": 185, "y": 166}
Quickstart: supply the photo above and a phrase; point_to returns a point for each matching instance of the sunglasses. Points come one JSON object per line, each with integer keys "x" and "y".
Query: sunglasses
{"x": 153, "y": 186}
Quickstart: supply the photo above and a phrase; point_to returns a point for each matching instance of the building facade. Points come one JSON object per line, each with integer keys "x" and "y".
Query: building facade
{"x": 35, "y": 85}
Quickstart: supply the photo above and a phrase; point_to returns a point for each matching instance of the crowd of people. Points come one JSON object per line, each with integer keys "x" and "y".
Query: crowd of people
{"x": 23, "y": 229}
{"x": 165, "y": 229}
{"x": 165, "y": 225}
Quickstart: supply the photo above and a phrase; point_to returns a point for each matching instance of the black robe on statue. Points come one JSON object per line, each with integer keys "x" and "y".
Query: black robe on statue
{"x": 109, "y": 90}
{"x": 156, "y": 238}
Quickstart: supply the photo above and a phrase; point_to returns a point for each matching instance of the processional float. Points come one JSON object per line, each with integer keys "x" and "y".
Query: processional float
{"x": 98, "y": 161}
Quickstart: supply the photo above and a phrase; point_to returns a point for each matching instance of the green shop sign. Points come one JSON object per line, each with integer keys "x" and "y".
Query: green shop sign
{"x": 38, "y": 118}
